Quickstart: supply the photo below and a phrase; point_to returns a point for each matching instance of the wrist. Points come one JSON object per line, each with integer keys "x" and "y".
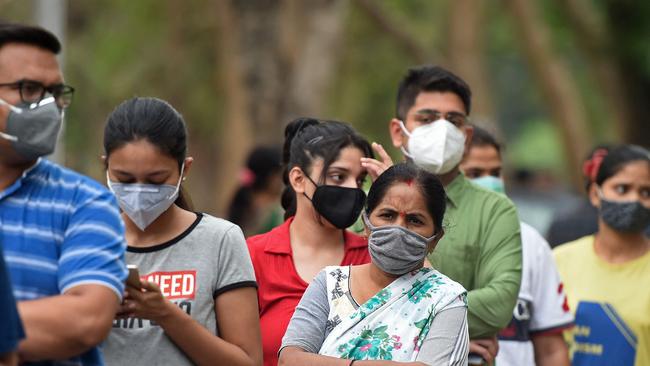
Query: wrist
{"x": 166, "y": 314}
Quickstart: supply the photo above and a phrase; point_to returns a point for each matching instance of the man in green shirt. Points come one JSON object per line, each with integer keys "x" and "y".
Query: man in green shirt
{"x": 481, "y": 248}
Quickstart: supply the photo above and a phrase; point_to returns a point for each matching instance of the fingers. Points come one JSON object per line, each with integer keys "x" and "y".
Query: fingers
{"x": 477, "y": 348}
{"x": 491, "y": 344}
{"x": 385, "y": 158}
{"x": 150, "y": 286}
{"x": 376, "y": 167}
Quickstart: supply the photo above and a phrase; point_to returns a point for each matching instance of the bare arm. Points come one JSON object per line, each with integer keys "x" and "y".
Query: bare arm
{"x": 64, "y": 326}
{"x": 239, "y": 341}
{"x": 551, "y": 350}
{"x": 9, "y": 359}
{"x": 293, "y": 356}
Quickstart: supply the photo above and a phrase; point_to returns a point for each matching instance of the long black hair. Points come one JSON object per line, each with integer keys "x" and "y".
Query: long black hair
{"x": 428, "y": 184}
{"x": 307, "y": 139}
{"x": 154, "y": 120}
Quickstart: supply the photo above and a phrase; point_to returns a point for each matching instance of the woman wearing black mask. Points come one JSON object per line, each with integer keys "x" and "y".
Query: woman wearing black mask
{"x": 606, "y": 275}
{"x": 323, "y": 177}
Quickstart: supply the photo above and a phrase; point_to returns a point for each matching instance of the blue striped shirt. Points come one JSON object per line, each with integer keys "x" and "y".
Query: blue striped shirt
{"x": 61, "y": 230}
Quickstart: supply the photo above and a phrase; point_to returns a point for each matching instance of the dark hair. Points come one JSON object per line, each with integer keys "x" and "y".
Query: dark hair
{"x": 262, "y": 163}
{"x": 27, "y": 34}
{"x": 429, "y": 185}
{"x": 306, "y": 139}
{"x": 482, "y": 137}
{"x": 618, "y": 158}
{"x": 430, "y": 78}
{"x": 151, "y": 119}
{"x": 591, "y": 164}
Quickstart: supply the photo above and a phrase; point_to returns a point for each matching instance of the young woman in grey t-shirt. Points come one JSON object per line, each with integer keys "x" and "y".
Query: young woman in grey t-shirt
{"x": 197, "y": 302}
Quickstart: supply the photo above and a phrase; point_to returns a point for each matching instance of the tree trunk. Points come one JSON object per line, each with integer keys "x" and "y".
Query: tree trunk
{"x": 594, "y": 39}
{"x": 278, "y": 59}
{"x": 315, "y": 65}
{"x": 557, "y": 85}
{"x": 466, "y": 57}
{"x": 236, "y": 136}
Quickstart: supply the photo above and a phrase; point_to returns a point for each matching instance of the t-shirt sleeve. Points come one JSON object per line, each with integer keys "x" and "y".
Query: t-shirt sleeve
{"x": 308, "y": 324}
{"x": 498, "y": 274}
{"x": 447, "y": 343}
{"x": 551, "y": 310}
{"x": 93, "y": 246}
{"x": 234, "y": 263}
{"x": 11, "y": 331}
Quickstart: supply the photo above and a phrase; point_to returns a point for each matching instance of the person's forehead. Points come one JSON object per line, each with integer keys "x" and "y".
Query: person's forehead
{"x": 484, "y": 152}
{"x": 443, "y": 102}
{"x": 404, "y": 196}
{"x": 23, "y": 61}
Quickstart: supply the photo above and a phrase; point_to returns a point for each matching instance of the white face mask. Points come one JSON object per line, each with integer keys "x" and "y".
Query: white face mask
{"x": 144, "y": 203}
{"x": 436, "y": 147}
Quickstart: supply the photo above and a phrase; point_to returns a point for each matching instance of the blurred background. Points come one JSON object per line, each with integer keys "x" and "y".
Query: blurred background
{"x": 551, "y": 78}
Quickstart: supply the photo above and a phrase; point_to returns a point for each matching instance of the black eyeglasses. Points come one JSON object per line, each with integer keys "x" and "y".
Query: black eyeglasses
{"x": 34, "y": 91}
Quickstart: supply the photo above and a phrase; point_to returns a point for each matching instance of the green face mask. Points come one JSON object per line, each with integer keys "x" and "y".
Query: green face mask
{"x": 492, "y": 183}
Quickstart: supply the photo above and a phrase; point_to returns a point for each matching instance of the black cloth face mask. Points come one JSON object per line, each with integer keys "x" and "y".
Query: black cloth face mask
{"x": 340, "y": 206}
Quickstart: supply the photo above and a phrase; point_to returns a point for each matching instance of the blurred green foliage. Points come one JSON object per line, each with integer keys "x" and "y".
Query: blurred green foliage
{"x": 117, "y": 49}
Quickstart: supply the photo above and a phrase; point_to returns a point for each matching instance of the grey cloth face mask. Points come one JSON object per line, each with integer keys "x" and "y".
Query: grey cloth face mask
{"x": 395, "y": 249}
{"x": 626, "y": 217}
{"x": 144, "y": 203}
{"x": 33, "y": 128}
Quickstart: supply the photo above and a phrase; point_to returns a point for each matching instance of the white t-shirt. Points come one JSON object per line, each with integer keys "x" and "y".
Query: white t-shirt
{"x": 541, "y": 305}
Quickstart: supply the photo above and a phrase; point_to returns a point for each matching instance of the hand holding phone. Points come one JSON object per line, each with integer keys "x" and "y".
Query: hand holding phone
{"x": 134, "y": 276}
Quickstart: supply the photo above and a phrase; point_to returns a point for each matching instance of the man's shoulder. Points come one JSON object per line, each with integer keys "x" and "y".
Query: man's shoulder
{"x": 56, "y": 175}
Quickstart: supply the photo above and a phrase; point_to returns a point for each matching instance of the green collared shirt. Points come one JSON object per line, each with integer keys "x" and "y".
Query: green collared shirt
{"x": 481, "y": 249}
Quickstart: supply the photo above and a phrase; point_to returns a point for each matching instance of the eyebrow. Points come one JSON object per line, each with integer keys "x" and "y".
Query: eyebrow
{"x": 340, "y": 168}
{"x": 155, "y": 173}
{"x": 427, "y": 111}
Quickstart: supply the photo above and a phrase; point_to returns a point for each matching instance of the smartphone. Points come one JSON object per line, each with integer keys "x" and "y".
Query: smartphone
{"x": 134, "y": 276}
{"x": 475, "y": 359}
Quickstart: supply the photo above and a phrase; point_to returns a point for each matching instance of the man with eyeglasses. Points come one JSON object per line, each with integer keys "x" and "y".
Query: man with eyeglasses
{"x": 481, "y": 248}
{"x": 61, "y": 232}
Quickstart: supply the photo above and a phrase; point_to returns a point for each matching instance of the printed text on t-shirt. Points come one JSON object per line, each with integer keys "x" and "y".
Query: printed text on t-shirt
{"x": 175, "y": 284}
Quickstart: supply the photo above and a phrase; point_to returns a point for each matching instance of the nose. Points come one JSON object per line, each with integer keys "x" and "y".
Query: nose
{"x": 401, "y": 219}
{"x": 350, "y": 182}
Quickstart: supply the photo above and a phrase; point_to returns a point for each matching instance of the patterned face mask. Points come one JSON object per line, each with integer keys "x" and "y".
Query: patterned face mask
{"x": 624, "y": 216}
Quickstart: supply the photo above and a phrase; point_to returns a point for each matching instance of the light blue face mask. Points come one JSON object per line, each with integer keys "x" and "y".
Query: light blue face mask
{"x": 144, "y": 203}
{"x": 490, "y": 182}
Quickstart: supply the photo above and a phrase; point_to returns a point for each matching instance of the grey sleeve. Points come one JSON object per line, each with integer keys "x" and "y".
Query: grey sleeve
{"x": 448, "y": 340}
{"x": 308, "y": 325}
{"x": 234, "y": 265}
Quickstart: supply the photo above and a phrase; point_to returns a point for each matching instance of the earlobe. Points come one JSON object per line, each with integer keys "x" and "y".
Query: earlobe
{"x": 188, "y": 166}
{"x": 593, "y": 195}
{"x": 396, "y": 133}
{"x": 297, "y": 180}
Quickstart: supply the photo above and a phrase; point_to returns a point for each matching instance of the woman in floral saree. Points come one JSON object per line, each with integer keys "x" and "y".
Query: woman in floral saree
{"x": 409, "y": 315}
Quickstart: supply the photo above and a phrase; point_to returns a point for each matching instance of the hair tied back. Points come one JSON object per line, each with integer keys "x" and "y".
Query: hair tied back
{"x": 590, "y": 167}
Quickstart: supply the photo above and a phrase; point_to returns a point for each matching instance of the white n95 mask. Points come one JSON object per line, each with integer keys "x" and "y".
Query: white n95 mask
{"x": 144, "y": 203}
{"x": 436, "y": 147}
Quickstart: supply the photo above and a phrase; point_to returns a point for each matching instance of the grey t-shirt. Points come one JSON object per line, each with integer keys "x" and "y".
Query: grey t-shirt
{"x": 446, "y": 344}
{"x": 208, "y": 259}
